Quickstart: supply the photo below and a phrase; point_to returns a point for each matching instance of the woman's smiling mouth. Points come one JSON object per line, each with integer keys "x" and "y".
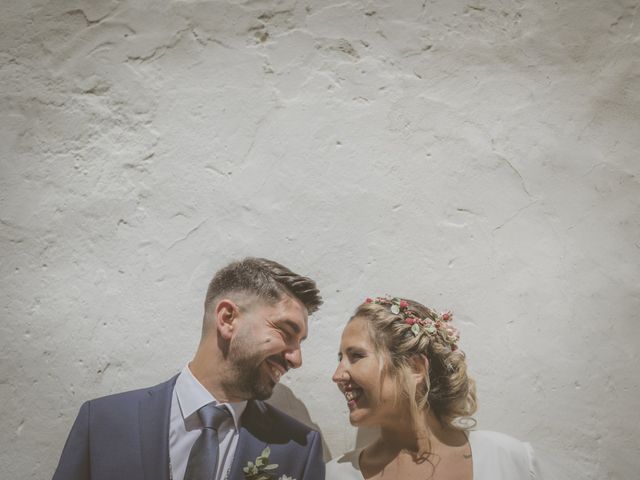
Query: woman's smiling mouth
{"x": 352, "y": 395}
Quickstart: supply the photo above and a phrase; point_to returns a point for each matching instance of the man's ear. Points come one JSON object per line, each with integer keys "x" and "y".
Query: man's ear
{"x": 226, "y": 313}
{"x": 419, "y": 368}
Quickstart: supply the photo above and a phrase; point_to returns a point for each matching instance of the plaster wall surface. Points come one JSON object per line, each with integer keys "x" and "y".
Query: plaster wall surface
{"x": 479, "y": 156}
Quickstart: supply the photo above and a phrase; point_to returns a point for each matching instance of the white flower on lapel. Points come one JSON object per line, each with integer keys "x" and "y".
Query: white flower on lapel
{"x": 286, "y": 477}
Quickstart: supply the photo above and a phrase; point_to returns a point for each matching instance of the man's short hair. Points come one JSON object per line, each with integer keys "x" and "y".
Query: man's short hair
{"x": 265, "y": 279}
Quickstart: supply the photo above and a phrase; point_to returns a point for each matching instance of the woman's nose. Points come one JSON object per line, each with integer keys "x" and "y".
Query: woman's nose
{"x": 340, "y": 375}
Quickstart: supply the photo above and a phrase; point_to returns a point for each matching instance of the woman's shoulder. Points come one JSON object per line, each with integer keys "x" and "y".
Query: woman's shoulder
{"x": 345, "y": 467}
{"x": 496, "y": 451}
{"x": 495, "y": 439}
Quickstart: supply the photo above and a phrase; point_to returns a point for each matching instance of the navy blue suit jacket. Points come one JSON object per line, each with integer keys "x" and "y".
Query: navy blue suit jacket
{"x": 126, "y": 437}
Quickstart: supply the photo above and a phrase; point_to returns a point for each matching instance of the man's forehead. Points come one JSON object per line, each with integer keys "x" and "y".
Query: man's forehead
{"x": 293, "y": 313}
{"x": 285, "y": 306}
{"x": 250, "y": 299}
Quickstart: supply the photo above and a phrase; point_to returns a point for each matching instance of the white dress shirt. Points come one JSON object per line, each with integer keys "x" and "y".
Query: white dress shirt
{"x": 184, "y": 428}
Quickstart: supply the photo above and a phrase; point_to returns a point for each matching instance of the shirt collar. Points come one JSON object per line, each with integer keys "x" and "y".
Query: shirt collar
{"x": 192, "y": 396}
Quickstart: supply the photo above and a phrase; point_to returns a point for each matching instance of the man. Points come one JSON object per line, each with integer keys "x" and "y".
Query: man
{"x": 209, "y": 422}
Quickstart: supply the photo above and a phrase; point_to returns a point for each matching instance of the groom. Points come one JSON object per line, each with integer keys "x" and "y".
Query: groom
{"x": 209, "y": 422}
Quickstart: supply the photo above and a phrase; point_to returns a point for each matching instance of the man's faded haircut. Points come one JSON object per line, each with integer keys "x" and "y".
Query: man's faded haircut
{"x": 265, "y": 279}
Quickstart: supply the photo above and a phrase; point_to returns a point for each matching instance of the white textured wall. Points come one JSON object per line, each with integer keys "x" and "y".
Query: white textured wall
{"x": 477, "y": 155}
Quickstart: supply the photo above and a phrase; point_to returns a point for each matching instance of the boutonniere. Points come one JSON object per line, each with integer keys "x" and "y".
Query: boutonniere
{"x": 259, "y": 470}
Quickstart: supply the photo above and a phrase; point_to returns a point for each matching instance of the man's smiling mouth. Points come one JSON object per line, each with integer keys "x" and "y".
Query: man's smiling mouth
{"x": 276, "y": 367}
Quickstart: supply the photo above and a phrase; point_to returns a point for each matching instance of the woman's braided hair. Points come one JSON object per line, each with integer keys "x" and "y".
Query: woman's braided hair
{"x": 403, "y": 329}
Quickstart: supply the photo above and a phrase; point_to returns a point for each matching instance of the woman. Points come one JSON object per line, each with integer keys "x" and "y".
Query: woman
{"x": 400, "y": 369}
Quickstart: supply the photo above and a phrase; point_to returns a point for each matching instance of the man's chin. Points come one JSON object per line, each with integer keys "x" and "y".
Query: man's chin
{"x": 263, "y": 391}
{"x": 253, "y": 388}
{"x": 262, "y": 394}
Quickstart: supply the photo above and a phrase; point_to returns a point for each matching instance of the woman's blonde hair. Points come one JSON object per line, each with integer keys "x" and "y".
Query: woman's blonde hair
{"x": 447, "y": 391}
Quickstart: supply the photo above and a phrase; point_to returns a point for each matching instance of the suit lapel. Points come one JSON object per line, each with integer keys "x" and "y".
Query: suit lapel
{"x": 250, "y": 444}
{"x": 154, "y": 416}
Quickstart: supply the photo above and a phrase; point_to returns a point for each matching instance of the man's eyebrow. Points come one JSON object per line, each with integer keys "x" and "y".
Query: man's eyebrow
{"x": 294, "y": 326}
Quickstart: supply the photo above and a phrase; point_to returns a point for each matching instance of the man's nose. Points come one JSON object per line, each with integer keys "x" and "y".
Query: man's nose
{"x": 294, "y": 358}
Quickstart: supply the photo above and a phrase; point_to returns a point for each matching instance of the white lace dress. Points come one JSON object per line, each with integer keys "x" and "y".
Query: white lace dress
{"x": 495, "y": 457}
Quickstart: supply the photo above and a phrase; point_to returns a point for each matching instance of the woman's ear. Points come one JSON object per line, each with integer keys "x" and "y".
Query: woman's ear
{"x": 226, "y": 313}
{"x": 419, "y": 368}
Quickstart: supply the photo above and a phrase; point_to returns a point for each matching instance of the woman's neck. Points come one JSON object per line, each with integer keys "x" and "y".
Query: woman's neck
{"x": 432, "y": 437}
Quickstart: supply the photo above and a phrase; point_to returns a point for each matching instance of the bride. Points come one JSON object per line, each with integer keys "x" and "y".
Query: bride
{"x": 400, "y": 369}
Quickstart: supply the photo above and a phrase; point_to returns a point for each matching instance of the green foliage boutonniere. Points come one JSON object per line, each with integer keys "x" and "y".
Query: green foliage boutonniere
{"x": 261, "y": 468}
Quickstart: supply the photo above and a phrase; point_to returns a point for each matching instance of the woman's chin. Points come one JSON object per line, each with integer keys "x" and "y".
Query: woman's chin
{"x": 357, "y": 419}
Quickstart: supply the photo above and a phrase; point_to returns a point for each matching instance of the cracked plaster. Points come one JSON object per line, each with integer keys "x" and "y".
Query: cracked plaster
{"x": 479, "y": 156}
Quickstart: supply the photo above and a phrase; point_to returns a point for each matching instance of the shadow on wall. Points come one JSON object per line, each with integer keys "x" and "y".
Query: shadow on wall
{"x": 284, "y": 399}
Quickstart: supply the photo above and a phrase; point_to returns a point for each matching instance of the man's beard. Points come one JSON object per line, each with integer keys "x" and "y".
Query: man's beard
{"x": 247, "y": 379}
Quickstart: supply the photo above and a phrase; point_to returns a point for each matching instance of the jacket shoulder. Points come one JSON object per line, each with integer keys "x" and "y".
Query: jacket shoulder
{"x": 130, "y": 397}
{"x": 279, "y": 418}
{"x": 271, "y": 425}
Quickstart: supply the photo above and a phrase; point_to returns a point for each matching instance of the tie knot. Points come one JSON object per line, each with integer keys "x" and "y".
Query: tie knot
{"x": 212, "y": 415}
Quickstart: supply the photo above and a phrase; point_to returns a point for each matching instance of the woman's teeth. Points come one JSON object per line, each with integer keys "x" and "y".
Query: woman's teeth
{"x": 352, "y": 395}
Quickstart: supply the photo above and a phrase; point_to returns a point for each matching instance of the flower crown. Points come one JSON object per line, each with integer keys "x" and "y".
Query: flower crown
{"x": 434, "y": 327}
